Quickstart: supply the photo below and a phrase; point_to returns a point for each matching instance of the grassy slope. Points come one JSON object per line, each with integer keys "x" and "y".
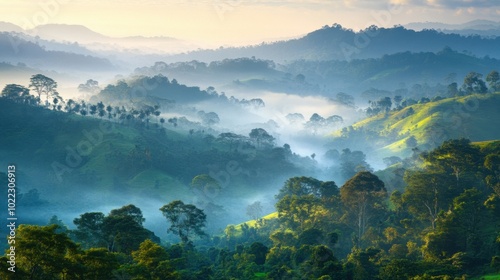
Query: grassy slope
{"x": 476, "y": 117}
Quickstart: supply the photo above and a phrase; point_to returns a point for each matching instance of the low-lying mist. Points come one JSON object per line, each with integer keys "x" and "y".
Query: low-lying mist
{"x": 273, "y": 118}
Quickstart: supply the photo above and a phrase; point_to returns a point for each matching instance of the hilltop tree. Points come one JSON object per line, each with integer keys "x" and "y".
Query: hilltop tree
{"x": 43, "y": 85}
{"x": 185, "y": 220}
{"x": 16, "y": 93}
{"x": 120, "y": 231}
{"x": 261, "y": 137}
{"x": 129, "y": 210}
{"x": 473, "y": 83}
{"x": 124, "y": 234}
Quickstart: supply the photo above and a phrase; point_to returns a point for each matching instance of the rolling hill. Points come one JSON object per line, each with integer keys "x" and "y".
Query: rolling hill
{"x": 475, "y": 117}
{"x": 78, "y": 163}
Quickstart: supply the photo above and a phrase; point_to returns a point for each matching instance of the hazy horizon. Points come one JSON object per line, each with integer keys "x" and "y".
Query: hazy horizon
{"x": 222, "y": 23}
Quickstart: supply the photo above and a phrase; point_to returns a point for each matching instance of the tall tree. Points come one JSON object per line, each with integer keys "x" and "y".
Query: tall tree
{"x": 129, "y": 210}
{"x": 363, "y": 197}
{"x": 89, "y": 229}
{"x": 43, "y": 85}
{"x": 185, "y": 220}
{"x": 261, "y": 137}
{"x": 473, "y": 83}
{"x": 427, "y": 194}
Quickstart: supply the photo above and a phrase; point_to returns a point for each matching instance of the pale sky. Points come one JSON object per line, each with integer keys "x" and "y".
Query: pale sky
{"x": 230, "y": 22}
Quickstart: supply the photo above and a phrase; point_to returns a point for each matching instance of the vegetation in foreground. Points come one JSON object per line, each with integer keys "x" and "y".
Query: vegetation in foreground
{"x": 441, "y": 224}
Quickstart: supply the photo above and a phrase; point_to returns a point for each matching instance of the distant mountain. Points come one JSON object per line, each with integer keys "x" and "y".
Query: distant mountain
{"x": 15, "y": 49}
{"x": 9, "y": 27}
{"x": 475, "y": 24}
{"x": 485, "y": 28}
{"x": 390, "y": 71}
{"x": 99, "y": 42}
{"x": 337, "y": 43}
{"x": 68, "y": 33}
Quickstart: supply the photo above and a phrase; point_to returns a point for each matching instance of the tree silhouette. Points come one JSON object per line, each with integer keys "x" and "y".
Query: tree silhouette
{"x": 16, "y": 93}
{"x": 43, "y": 85}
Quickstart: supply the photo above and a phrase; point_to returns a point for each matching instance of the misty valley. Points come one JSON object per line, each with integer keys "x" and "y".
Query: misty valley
{"x": 308, "y": 158}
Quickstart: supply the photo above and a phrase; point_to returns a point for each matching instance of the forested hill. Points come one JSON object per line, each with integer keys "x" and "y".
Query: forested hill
{"x": 391, "y": 71}
{"x": 338, "y": 43}
{"x": 425, "y": 125}
{"x": 109, "y": 152}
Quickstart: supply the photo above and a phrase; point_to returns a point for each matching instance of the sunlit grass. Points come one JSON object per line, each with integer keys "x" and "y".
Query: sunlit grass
{"x": 475, "y": 117}
{"x": 253, "y": 223}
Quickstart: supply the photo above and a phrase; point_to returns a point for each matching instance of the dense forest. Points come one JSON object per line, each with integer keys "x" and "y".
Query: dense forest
{"x": 443, "y": 224}
{"x": 431, "y": 215}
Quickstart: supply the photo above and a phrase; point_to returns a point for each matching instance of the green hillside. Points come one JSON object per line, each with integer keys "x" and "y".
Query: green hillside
{"x": 475, "y": 117}
{"x": 69, "y": 158}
